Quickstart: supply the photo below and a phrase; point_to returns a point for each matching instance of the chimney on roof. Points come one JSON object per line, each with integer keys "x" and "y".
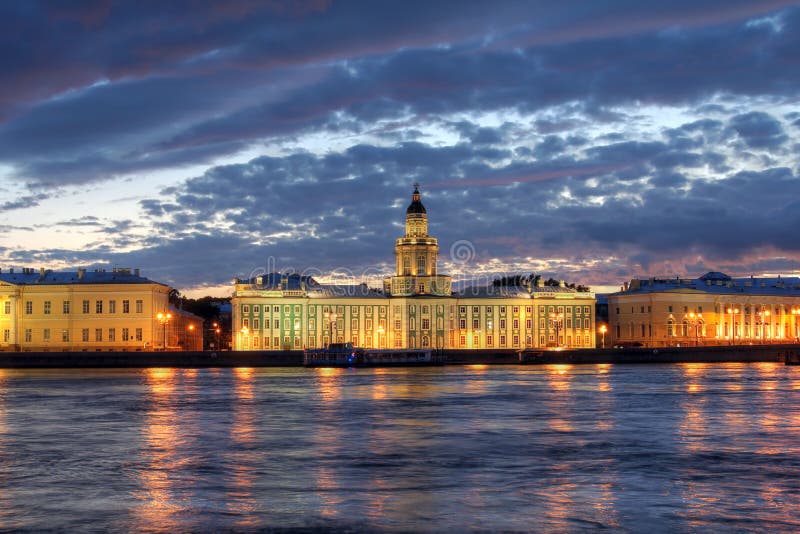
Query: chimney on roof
{"x": 136, "y": 272}
{"x": 81, "y": 272}
{"x": 11, "y": 270}
{"x": 42, "y": 272}
{"x": 561, "y": 283}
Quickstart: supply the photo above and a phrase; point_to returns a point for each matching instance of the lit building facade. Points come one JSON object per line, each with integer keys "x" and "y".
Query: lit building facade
{"x": 713, "y": 309}
{"x": 90, "y": 311}
{"x": 416, "y": 308}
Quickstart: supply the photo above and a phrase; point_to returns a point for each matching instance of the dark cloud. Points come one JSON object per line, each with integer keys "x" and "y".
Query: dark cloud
{"x": 27, "y": 201}
{"x": 219, "y": 80}
{"x": 759, "y": 130}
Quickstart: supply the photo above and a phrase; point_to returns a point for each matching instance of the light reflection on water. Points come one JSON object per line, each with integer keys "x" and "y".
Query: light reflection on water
{"x": 558, "y": 447}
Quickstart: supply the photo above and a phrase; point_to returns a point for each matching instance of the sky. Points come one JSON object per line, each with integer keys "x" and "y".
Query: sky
{"x": 588, "y": 141}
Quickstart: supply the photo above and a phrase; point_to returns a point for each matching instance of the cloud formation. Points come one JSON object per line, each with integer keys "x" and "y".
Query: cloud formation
{"x": 600, "y": 141}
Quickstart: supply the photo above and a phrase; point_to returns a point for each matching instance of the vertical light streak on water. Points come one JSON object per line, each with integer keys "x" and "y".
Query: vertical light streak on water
{"x": 158, "y": 502}
{"x": 242, "y": 467}
{"x": 328, "y": 441}
{"x": 6, "y": 506}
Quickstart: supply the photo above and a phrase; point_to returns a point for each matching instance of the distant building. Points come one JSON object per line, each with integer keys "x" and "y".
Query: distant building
{"x": 416, "y": 308}
{"x": 89, "y": 311}
{"x": 713, "y": 309}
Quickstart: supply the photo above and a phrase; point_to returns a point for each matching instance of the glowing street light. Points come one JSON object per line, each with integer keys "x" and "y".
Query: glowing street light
{"x": 733, "y": 312}
{"x": 556, "y": 319}
{"x": 603, "y": 330}
{"x": 163, "y": 319}
{"x": 380, "y": 331}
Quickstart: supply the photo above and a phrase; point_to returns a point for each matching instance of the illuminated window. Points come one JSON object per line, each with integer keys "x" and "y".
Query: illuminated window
{"x": 426, "y": 324}
{"x": 475, "y": 310}
{"x": 85, "y": 307}
{"x": 516, "y": 341}
{"x": 85, "y": 334}
{"x": 462, "y": 309}
{"x": 528, "y": 309}
{"x": 475, "y": 323}
{"x": 462, "y": 324}
{"x": 139, "y": 306}
{"x": 502, "y": 324}
{"x": 98, "y": 334}
{"x": 245, "y": 308}
{"x": 126, "y": 306}
{"x": 7, "y": 307}
{"x": 502, "y": 341}
{"x": 28, "y": 335}
{"x": 489, "y": 340}
{"x": 65, "y": 307}
{"x": 256, "y": 324}
{"x": 502, "y": 309}
{"x": 6, "y": 335}
{"x": 125, "y": 334}
{"x": 28, "y": 307}
{"x": 256, "y": 309}
{"x": 397, "y": 324}
{"x": 463, "y": 341}
{"x": 98, "y": 306}
{"x": 516, "y": 324}
{"x": 46, "y": 334}
{"x": 516, "y": 309}
{"x": 112, "y": 306}
{"x": 528, "y": 324}
{"x": 112, "y": 334}
{"x": 245, "y": 323}
{"x": 297, "y": 309}
{"x": 47, "y": 307}
{"x": 277, "y": 309}
{"x": 255, "y": 342}
{"x": 139, "y": 334}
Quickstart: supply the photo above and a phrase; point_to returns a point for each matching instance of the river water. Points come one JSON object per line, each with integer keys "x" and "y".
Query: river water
{"x": 656, "y": 448}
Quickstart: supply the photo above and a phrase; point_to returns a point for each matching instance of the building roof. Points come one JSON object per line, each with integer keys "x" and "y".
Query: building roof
{"x": 306, "y": 286}
{"x": 715, "y": 283}
{"x": 416, "y": 204}
{"x": 33, "y": 277}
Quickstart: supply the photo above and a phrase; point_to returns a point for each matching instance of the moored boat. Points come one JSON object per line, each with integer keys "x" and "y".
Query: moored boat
{"x": 346, "y": 355}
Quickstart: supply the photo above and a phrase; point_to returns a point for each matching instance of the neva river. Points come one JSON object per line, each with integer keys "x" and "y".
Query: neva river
{"x": 656, "y": 448}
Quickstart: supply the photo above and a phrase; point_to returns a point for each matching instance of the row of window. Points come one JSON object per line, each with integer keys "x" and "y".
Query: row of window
{"x": 65, "y": 335}
{"x": 515, "y": 340}
{"x": 542, "y": 310}
{"x": 255, "y": 324}
{"x": 66, "y": 307}
{"x": 287, "y": 309}
{"x": 579, "y": 323}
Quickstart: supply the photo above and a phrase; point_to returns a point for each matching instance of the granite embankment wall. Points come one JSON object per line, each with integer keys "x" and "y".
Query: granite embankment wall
{"x": 717, "y": 354}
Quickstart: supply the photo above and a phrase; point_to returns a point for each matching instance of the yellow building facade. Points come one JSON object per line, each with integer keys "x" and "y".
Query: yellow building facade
{"x": 416, "y": 308}
{"x": 713, "y": 309}
{"x": 89, "y": 311}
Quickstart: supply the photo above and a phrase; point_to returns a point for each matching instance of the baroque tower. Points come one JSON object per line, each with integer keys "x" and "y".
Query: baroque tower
{"x": 416, "y": 254}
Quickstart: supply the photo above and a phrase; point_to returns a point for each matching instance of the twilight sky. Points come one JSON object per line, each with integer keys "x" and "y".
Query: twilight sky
{"x": 591, "y": 141}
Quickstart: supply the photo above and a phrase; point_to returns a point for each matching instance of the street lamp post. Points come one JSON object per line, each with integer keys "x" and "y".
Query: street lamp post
{"x": 795, "y": 313}
{"x": 380, "y": 331}
{"x": 555, "y": 320}
{"x": 733, "y": 312}
{"x": 163, "y": 319}
{"x": 694, "y": 320}
{"x": 603, "y": 330}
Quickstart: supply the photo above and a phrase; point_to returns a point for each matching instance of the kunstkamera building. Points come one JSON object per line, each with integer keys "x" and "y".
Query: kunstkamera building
{"x": 416, "y": 308}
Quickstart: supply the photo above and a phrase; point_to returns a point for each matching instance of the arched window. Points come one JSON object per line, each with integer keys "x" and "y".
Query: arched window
{"x": 421, "y": 265}
{"x": 406, "y": 265}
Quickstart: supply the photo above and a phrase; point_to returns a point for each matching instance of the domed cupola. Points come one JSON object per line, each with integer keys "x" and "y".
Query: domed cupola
{"x": 416, "y": 204}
